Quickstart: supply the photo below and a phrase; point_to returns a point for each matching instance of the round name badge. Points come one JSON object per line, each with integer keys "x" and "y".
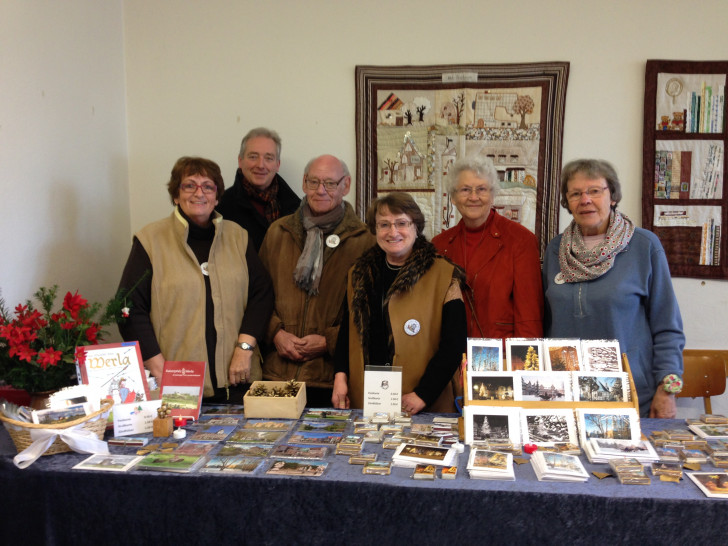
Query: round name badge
{"x": 559, "y": 278}
{"x": 203, "y": 268}
{"x": 411, "y": 327}
{"x": 332, "y": 241}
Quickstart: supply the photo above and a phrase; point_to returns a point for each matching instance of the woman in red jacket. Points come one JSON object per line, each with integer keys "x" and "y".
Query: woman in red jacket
{"x": 500, "y": 257}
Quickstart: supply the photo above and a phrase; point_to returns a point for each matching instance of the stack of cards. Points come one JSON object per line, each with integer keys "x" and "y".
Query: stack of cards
{"x": 558, "y": 467}
{"x": 484, "y": 464}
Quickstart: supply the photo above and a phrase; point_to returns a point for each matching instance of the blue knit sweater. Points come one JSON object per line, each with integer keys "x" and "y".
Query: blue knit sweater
{"x": 634, "y": 302}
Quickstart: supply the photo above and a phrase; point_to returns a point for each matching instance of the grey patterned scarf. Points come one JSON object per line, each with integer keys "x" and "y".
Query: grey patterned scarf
{"x": 578, "y": 263}
{"x": 307, "y": 274}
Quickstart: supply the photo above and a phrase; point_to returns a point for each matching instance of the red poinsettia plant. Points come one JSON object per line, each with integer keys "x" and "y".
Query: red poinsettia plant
{"x": 38, "y": 346}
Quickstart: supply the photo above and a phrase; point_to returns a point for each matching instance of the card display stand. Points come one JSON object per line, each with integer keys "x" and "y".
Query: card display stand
{"x": 684, "y": 198}
{"x": 633, "y": 402}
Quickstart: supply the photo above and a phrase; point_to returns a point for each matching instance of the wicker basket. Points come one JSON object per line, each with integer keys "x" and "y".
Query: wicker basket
{"x": 20, "y": 430}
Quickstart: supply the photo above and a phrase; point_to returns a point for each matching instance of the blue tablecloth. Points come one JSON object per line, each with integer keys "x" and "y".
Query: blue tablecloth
{"x": 49, "y": 503}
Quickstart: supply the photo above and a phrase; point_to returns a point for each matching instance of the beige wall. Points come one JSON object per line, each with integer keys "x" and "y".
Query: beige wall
{"x": 200, "y": 74}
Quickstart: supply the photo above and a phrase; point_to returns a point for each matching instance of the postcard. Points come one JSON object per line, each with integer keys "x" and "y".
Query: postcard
{"x": 524, "y": 354}
{"x": 491, "y": 461}
{"x": 712, "y": 484}
{"x": 419, "y": 453}
{"x": 170, "y": 462}
{"x": 485, "y": 355}
{"x": 562, "y": 355}
{"x": 322, "y": 425}
{"x": 60, "y": 416}
{"x": 600, "y": 386}
{"x": 268, "y": 424}
{"x": 327, "y": 413}
{"x": 617, "y": 424}
{"x": 601, "y": 355}
{"x": 548, "y": 426}
{"x": 193, "y": 447}
{"x": 234, "y": 464}
{"x": 208, "y": 419}
{"x": 492, "y": 386}
{"x": 212, "y": 433}
{"x": 245, "y": 450}
{"x": 224, "y": 409}
{"x": 317, "y": 438}
{"x": 710, "y": 431}
{"x": 483, "y": 423}
{"x": 109, "y": 462}
{"x": 293, "y": 467}
{"x": 288, "y": 451}
{"x": 544, "y": 386}
{"x": 256, "y": 436}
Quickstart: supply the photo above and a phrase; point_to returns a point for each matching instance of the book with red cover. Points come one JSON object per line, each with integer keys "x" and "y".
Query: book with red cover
{"x": 116, "y": 369}
{"x": 182, "y": 386}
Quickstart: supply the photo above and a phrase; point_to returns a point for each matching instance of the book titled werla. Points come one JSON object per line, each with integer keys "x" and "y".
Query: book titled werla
{"x": 115, "y": 369}
{"x": 182, "y": 387}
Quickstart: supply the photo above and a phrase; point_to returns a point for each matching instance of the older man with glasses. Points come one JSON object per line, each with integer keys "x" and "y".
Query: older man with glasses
{"x": 307, "y": 255}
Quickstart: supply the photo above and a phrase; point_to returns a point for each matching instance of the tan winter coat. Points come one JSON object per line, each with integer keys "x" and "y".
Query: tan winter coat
{"x": 299, "y": 313}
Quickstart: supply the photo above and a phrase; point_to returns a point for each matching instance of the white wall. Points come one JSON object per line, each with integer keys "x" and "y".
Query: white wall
{"x": 200, "y": 74}
{"x": 64, "y": 216}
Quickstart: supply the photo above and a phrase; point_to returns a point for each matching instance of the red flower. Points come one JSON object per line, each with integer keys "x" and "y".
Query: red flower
{"x": 24, "y": 352}
{"x": 92, "y": 333}
{"x": 49, "y": 357}
{"x": 80, "y": 355}
{"x": 68, "y": 325}
{"x": 73, "y": 303}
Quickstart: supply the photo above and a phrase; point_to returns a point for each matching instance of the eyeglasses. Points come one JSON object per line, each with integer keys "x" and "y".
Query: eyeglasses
{"x": 399, "y": 225}
{"x": 480, "y": 191}
{"x": 592, "y": 193}
{"x": 329, "y": 185}
{"x": 191, "y": 187}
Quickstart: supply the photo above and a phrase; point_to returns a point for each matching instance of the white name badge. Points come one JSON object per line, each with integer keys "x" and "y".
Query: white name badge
{"x": 382, "y": 390}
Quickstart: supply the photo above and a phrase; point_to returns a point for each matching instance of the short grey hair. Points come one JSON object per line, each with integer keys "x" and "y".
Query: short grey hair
{"x": 344, "y": 168}
{"x": 592, "y": 169}
{"x": 481, "y": 166}
{"x": 261, "y": 132}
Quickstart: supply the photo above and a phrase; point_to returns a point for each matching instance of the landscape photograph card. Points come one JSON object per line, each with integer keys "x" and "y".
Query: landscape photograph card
{"x": 544, "y": 386}
{"x": 268, "y": 424}
{"x": 562, "y": 355}
{"x": 315, "y": 438}
{"x": 712, "y": 484}
{"x": 224, "y": 409}
{"x": 524, "y": 354}
{"x": 116, "y": 370}
{"x": 550, "y": 466}
{"x": 603, "y": 449}
{"x": 182, "y": 387}
{"x": 288, "y": 451}
{"x": 171, "y": 462}
{"x": 60, "y": 416}
{"x": 327, "y": 413}
{"x": 600, "y": 386}
{"x": 710, "y": 431}
{"x": 322, "y": 425}
{"x": 233, "y": 464}
{"x": 193, "y": 447}
{"x": 422, "y": 454}
{"x": 109, "y": 462}
{"x": 492, "y": 386}
{"x": 300, "y": 468}
{"x": 601, "y": 355}
{"x": 485, "y": 355}
{"x": 229, "y": 449}
{"x": 548, "y": 426}
{"x": 484, "y": 423}
{"x": 617, "y": 424}
{"x": 234, "y": 420}
{"x": 212, "y": 433}
{"x": 256, "y": 436}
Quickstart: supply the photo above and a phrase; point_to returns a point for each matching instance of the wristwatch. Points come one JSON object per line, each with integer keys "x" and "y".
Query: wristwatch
{"x": 672, "y": 383}
{"x": 245, "y": 346}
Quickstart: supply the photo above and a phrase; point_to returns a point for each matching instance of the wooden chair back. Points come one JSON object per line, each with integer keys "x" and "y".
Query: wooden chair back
{"x": 704, "y": 374}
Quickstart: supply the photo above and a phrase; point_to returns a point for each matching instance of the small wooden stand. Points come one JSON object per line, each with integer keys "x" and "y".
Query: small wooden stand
{"x": 163, "y": 427}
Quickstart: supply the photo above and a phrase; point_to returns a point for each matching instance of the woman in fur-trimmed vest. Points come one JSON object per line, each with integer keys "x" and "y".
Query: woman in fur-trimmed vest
{"x": 405, "y": 309}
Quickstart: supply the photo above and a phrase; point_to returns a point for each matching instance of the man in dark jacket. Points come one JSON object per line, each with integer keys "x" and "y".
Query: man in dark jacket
{"x": 259, "y": 195}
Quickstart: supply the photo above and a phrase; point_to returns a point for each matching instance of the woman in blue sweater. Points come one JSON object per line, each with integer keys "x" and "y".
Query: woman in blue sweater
{"x": 605, "y": 278}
